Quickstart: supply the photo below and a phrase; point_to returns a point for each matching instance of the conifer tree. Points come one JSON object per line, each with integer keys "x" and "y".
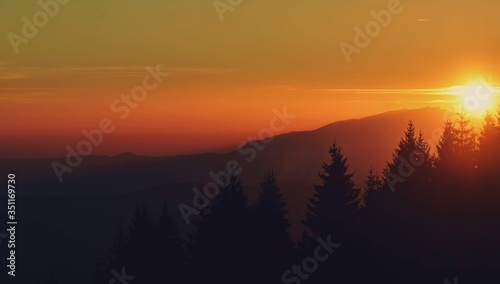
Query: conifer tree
{"x": 466, "y": 144}
{"x": 332, "y": 208}
{"x": 169, "y": 251}
{"x": 425, "y": 151}
{"x": 373, "y": 181}
{"x": 272, "y": 228}
{"x": 411, "y": 160}
{"x": 488, "y": 144}
{"x": 141, "y": 246}
{"x": 271, "y": 212}
{"x": 373, "y": 184}
{"x": 365, "y": 195}
{"x": 223, "y": 247}
{"x": 446, "y": 147}
{"x": 118, "y": 250}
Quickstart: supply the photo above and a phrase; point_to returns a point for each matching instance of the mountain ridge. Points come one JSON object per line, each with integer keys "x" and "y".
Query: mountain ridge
{"x": 294, "y": 156}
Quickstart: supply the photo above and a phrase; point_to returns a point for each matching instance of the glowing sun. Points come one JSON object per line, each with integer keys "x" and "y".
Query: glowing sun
{"x": 476, "y": 98}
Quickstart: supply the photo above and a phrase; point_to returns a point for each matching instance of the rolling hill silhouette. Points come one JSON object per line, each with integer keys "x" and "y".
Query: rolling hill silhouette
{"x": 296, "y": 156}
{"x": 103, "y": 191}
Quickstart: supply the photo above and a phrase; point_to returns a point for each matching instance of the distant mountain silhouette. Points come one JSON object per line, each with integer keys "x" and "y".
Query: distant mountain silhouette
{"x": 105, "y": 188}
{"x": 295, "y": 156}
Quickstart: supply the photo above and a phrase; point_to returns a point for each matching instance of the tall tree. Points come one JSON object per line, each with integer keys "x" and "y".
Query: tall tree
{"x": 223, "y": 247}
{"x": 141, "y": 246}
{"x": 446, "y": 147}
{"x": 169, "y": 251}
{"x": 332, "y": 208}
{"x": 119, "y": 248}
{"x": 411, "y": 160}
{"x": 373, "y": 183}
{"x": 466, "y": 144}
{"x": 488, "y": 145}
{"x": 272, "y": 228}
{"x": 425, "y": 152}
{"x": 271, "y": 212}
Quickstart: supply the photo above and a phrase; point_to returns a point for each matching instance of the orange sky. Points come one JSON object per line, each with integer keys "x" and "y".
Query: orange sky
{"x": 227, "y": 76}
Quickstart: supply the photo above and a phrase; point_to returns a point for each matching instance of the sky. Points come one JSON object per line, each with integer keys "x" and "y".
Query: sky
{"x": 227, "y": 70}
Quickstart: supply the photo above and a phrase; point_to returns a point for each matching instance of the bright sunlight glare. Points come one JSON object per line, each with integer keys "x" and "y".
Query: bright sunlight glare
{"x": 476, "y": 98}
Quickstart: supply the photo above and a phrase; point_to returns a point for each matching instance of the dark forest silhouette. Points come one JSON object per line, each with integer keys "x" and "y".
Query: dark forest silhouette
{"x": 427, "y": 217}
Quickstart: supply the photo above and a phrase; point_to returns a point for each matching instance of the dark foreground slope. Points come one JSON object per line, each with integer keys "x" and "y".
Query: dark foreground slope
{"x": 68, "y": 225}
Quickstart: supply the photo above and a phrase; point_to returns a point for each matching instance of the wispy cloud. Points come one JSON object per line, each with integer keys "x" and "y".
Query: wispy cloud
{"x": 9, "y": 72}
{"x": 191, "y": 70}
{"x": 410, "y": 91}
{"x": 12, "y": 76}
{"x": 117, "y": 68}
{"x": 29, "y": 98}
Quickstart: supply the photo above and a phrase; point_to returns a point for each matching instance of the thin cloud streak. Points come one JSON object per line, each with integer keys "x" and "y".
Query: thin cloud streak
{"x": 432, "y": 91}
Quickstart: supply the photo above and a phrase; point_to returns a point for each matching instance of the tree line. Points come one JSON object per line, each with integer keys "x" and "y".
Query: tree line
{"x": 427, "y": 217}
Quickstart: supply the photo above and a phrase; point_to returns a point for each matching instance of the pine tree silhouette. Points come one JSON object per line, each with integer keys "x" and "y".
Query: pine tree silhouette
{"x": 271, "y": 228}
{"x": 466, "y": 144}
{"x": 446, "y": 148}
{"x": 270, "y": 209}
{"x": 394, "y": 216}
{"x": 410, "y": 159}
{"x": 119, "y": 249}
{"x": 488, "y": 144}
{"x": 141, "y": 246}
{"x": 223, "y": 248}
{"x": 425, "y": 152}
{"x": 441, "y": 219}
{"x": 169, "y": 255}
{"x": 373, "y": 184}
{"x": 332, "y": 208}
